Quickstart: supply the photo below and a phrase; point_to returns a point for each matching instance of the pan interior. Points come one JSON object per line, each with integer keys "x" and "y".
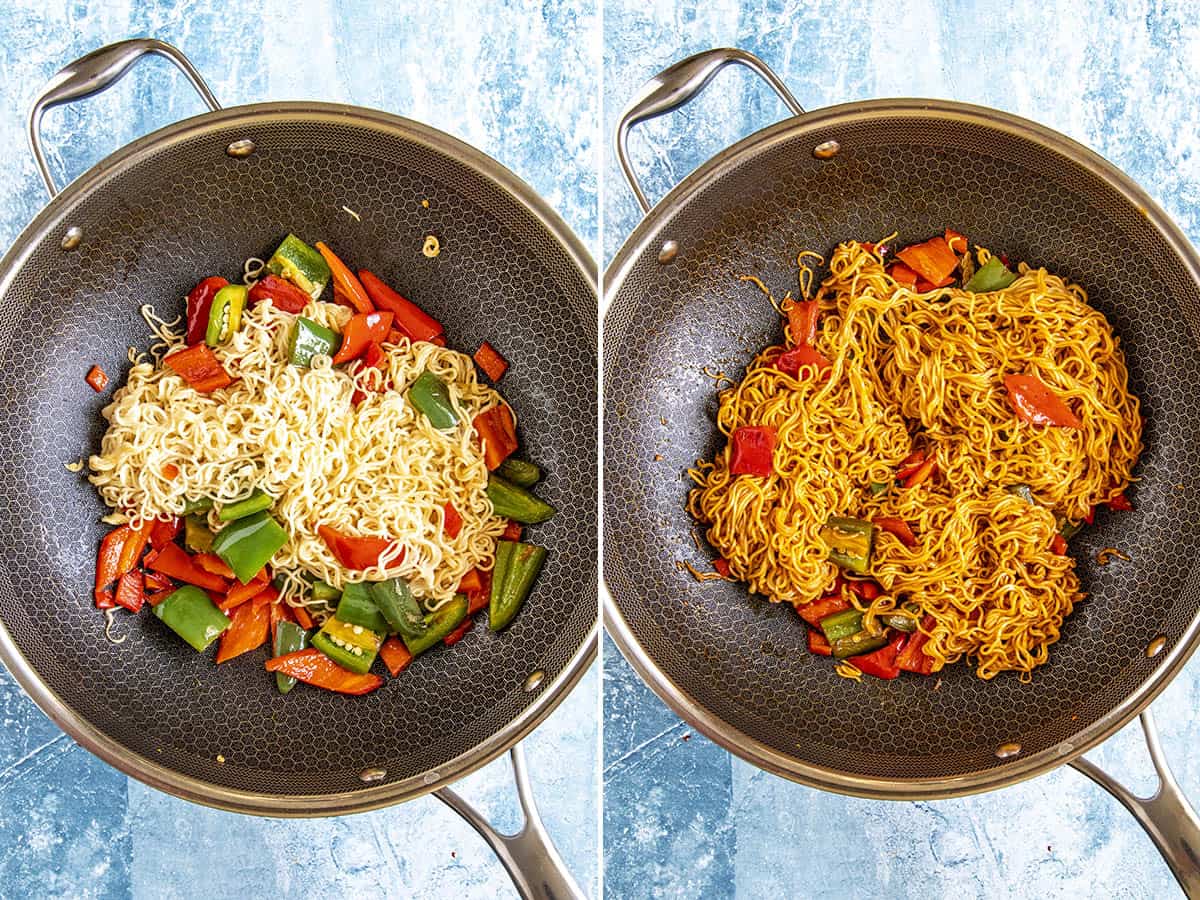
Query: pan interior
{"x": 742, "y": 661}
{"x": 174, "y": 210}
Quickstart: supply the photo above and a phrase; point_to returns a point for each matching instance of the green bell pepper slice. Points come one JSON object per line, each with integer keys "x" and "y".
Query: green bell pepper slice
{"x": 850, "y": 543}
{"x": 439, "y": 624}
{"x": 196, "y": 534}
{"x": 309, "y": 339}
{"x": 430, "y": 395}
{"x": 246, "y": 506}
{"x": 522, "y": 565}
{"x": 993, "y": 275}
{"x": 193, "y": 616}
{"x": 519, "y": 472}
{"x": 225, "y": 317}
{"x": 397, "y": 604}
{"x": 204, "y": 504}
{"x": 248, "y": 544}
{"x": 358, "y": 608}
{"x": 352, "y": 647}
{"x": 289, "y": 637}
{"x": 512, "y": 502}
{"x": 326, "y": 593}
{"x": 300, "y": 264}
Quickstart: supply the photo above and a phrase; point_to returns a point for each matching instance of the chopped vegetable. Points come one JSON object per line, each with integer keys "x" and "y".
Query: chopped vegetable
{"x": 524, "y": 564}
{"x": 120, "y": 551}
{"x": 395, "y": 655}
{"x": 309, "y": 339}
{"x": 814, "y": 612}
{"x": 803, "y": 317}
{"x": 912, "y": 658}
{"x": 163, "y": 531}
{"x": 932, "y": 260}
{"x": 399, "y": 608}
{"x": 289, "y": 637}
{"x": 911, "y": 463}
{"x": 313, "y": 667}
{"x": 225, "y": 317}
{"x": 878, "y": 487}
{"x": 901, "y": 621}
{"x": 850, "y": 542}
{"x": 493, "y": 364}
{"x": 326, "y": 593}
{"x": 283, "y": 294}
{"x": 721, "y": 567}
{"x": 196, "y": 534}
{"x": 955, "y": 241}
{"x": 882, "y": 662}
{"x": 175, "y": 563}
{"x": 921, "y": 474}
{"x": 354, "y": 552}
{"x": 817, "y": 644}
{"x": 239, "y": 593}
{"x": 1037, "y": 404}
{"x": 804, "y": 357}
{"x": 498, "y": 434}
{"x": 301, "y": 265}
{"x": 842, "y": 624}
{"x": 190, "y": 613}
{"x": 1120, "y": 503}
{"x": 347, "y": 289}
{"x": 248, "y": 544}
{"x": 97, "y": 379}
{"x": 204, "y": 504}
{"x": 440, "y": 623}
{"x": 249, "y": 627}
{"x": 210, "y": 562}
{"x": 752, "y": 450}
{"x": 993, "y": 275}
{"x": 867, "y": 590}
{"x": 256, "y": 501}
{"x": 516, "y": 503}
{"x": 200, "y": 368}
{"x": 898, "y": 527}
{"x": 411, "y": 320}
{"x": 1058, "y": 545}
{"x": 458, "y": 633}
{"x": 512, "y": 531}
{"x": 352, "y": 647}
{"x": 358, "y": 607}
{"x": 360, "y": 332}
{"x": 451, "y": 521}
{"x": 199, "y": 305}
{"x": 431, "y": 396}
{"x": 903, "y": 275}
{"x": 519, "y": 472}
{"x": 857, "y": 644}
{"x": 130, "y": 591}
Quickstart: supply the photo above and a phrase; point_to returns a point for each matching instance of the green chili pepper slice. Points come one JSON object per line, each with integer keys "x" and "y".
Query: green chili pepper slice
{"x": 193, "y": 616}
{"x": 326, "y": 593}
{"x": 352, "y": 647}
{"x": 248, "y": 544}
{"x": 196, "y": 534}
{"x": 300, "y": 264}
{"x": 289, "y": 637}
{"x": 204, "y": 504}
{"x": 856, "y": 644}
{"x": 225, "y": 317}
{"x": 512, "y": 502}
{"x": 430, "y": 395}
{"x": 850, "y": 543}
{"x": 440, "y": 624}
{"x": 401, "y": 609}
{"x": 524, "y": 563}
{"x": 519, "y": 472}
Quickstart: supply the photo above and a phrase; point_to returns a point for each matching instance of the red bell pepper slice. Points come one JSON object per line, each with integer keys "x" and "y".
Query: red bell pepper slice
{"x": 753, "y": 450}
{"x": 374, "y": 357}
{"x": 280, "y": 612}
{"x": 932, "y": 260}
{"x": 818, "y": 644}
{"x": 210, "y": 562}
{"x": 303, "y": 617}
{"x": 493, "y": 364}
{"x": 899, "y": 528}
{"x": 867, "y": 590}
{"x": 360, "y": 332}
{"x": 804, "y": 355}
{"x": 410, "y": 318}
{"x": 97, "y": 379}
{"x": 470, "y": 583}
{"x": 1037, "y": 404}
{"x": 956, "y": 241}
{"x": 395, "y": 655}
{"x": 478, "y": 599}
{"x": 173, "y": 561}
{"x": 239, "y": 593}
{"x": 721, "y": 566}
{"x": 921, "y": 474}
{"x": 155, "y": 581}
{"x": 135, "y": 546}
{"x": 104, "y": 598}
{"x": 814, "y": 612}
{"x": 911, "y": 463}
{"x": 199, "y": 305}
{"x": 159, "y": 596}
{"x": 1120, "y": 503}
{"x": 512, "y": 531}
{"x": 248, "y": 629}
{"x": 451, "y": 521}
{"x": 923, "y": 287}
{"x": 803, "y": 316}
{"x": 282, "y": 293}
{"x": 498, "y": 434}
{"x": 346, "y": 288}
{"x": 353, "y": 552}
{"x": 129, "y": 591}
{"x": 108, "y": 560}
{"x": 1058, "y": 545}
{"x": 200, "y": 368}
{"x": 911, "y": 657}
{"x": 313, "y": 667}
{"x": 903, "y": 275}
{"x": 457, "y": 634}
{"x": 163, "y": 531}
{"x": 882, "y": 662}
{"x": 1090, "y": 516}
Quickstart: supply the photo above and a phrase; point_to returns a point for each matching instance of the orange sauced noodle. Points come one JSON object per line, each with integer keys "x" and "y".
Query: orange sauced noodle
{"x": 924, "y": 371}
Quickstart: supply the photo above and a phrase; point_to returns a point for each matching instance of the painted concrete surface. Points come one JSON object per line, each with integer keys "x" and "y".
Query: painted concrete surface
{"x": 682, "y": 817}
{"x": 515, "y": 80}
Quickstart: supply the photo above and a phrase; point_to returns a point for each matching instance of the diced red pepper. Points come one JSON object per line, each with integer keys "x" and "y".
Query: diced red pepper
{"x": 818, "y": 644}
{"x": 498, "y": 434}
{"x": 415, "y": 324}
{"x": 200, "y": 368}
{"x": 956, "y": 241}
{"x": 493, "y": 364}
{"x": 911, "y": 657}
{"x": 753, "y": 450}
{"x": 374, "y": 357}
{"x": 911, "y": 463}
{"x": 108, "y": 560}
{"x": 313, "y": 667}
{"x": 210, "y": 562}
{"x": 478, "y": 599}
{"x": 721, "y": 566}
{"x": 1037, "y": 404}
{"x": 903, "y": 275}
{"x": 346, "y": 288}
{"x": 470, "y": 583}
{"x": 1058, "y": 545}
{"x": 457, "y": 634}
{"x": 1090, "y": 516}
{"x": 129, "y": 591}
{"x": 395, "y": 655}
{"x": 97, "y": 379}
{"x": 451, "y": 521}
{"x": 804, "y": 355}
{"x": 280, "y": 612}
{"x": 303, "y": 617}
{"x": 104, "y": 598}
{"x": 932, "y": 260}
{"x": 354, "y": 552}
{"x": 882, "y": 662}
{"x": 921, "y": 474}
{"x": 170, "y": 471}
{"x": 803, "y": 316}
{"x": 159, "y": 596}
{"x": 1120, "y": 503}
{"x": 199, "y": 305}
{"x": 868, "y": 590}
{"x": 163, "y": 531}
{"x": 923, "y": 287}
{"x": 360, "y": 332}
{"x": 512, "y": 531}
{"x": 156, "y": 581}
{"x": 899, "y": 528}
{"x": 239, "y": 593}
{"x": 173, "y": 561}
{"x": 814, "y": 612}
{"x": 282, "y": 293}
{"x": 249, "y": 627}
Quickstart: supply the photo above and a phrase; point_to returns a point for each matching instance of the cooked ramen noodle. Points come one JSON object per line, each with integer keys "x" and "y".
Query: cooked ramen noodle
{"x": 907, "y": 468}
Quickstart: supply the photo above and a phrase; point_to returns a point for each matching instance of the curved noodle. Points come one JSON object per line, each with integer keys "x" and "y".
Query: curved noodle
{"x": 924, "y": 370}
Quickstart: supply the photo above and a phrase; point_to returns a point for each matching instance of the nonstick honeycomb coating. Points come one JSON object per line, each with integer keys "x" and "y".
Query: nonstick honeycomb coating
{"x": 743, "y": 660}
{"x": 152, "y": 229}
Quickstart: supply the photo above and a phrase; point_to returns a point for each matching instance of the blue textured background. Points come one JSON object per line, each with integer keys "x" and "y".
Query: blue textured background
{"x": 682, "y": 817}
{"x": 516, "y": 80}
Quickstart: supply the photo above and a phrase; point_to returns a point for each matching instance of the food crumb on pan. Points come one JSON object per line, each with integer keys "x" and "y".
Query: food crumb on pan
{"x": 1108, "y": 554}
{"x": 351, "y": 213}
{"x": 115, "y": 518}
{"x": 76, "y": 466}
{"x": 425, "y": 203}
{"x": 108, "y": 624}
{"x": 658, "y": 457}
{"x": 699, "y": 576}
{"x": 662, "y": 420}
{"x": 220, "y": 758}
{"x": 848, "y": 671}
{"x": 431, "y": 247}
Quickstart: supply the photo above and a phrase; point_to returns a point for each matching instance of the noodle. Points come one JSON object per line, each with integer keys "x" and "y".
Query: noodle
{"x": 923, "y": 370}
{"x": 378, "y": 469}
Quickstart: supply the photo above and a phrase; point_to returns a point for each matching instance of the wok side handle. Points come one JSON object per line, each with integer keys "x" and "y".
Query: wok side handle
{"x": 677, "y": 85}
{"x": 95, "y": 72}
{"x": 1166, "y": 815}
{"x": 530, "y": 857}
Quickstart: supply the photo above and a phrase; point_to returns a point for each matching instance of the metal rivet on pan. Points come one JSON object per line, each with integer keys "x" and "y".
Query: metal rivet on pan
{"x": 73, "y": 238}
{"x": 1156, "y": 646}
{"x": 534, "y": 681}
{"x": 1006, "y": 751}
{"x": 370, "y": 776}
{"x": 668, "y": 252}
{"x": 240, "y": 149}
{"x": 826, "y": 149}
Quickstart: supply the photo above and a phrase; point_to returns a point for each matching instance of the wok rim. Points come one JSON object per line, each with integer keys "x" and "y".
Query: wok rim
{"x": 650, "y": 230}
{"x": 198, "y": 790}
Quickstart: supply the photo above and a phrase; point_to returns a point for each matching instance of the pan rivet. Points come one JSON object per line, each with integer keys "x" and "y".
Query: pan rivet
{"x": 534, "y": 681}
{"x": 826, "y": 149}
{"x": 240, "y": 149}
{"x": 1006, "y": 751}
{"x": 73, "y": 238}
{"x": 370, "y": 776}
{"x": 668, "y": 252}
{"x": 1156, "y": 646}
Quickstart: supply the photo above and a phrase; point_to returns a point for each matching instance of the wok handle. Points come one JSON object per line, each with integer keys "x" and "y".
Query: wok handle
{"x": 1167, "y": 816}
{"x": 95, "y": 72}
{"x": 530, "y": 857}
{"x": 677, "y": 85}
